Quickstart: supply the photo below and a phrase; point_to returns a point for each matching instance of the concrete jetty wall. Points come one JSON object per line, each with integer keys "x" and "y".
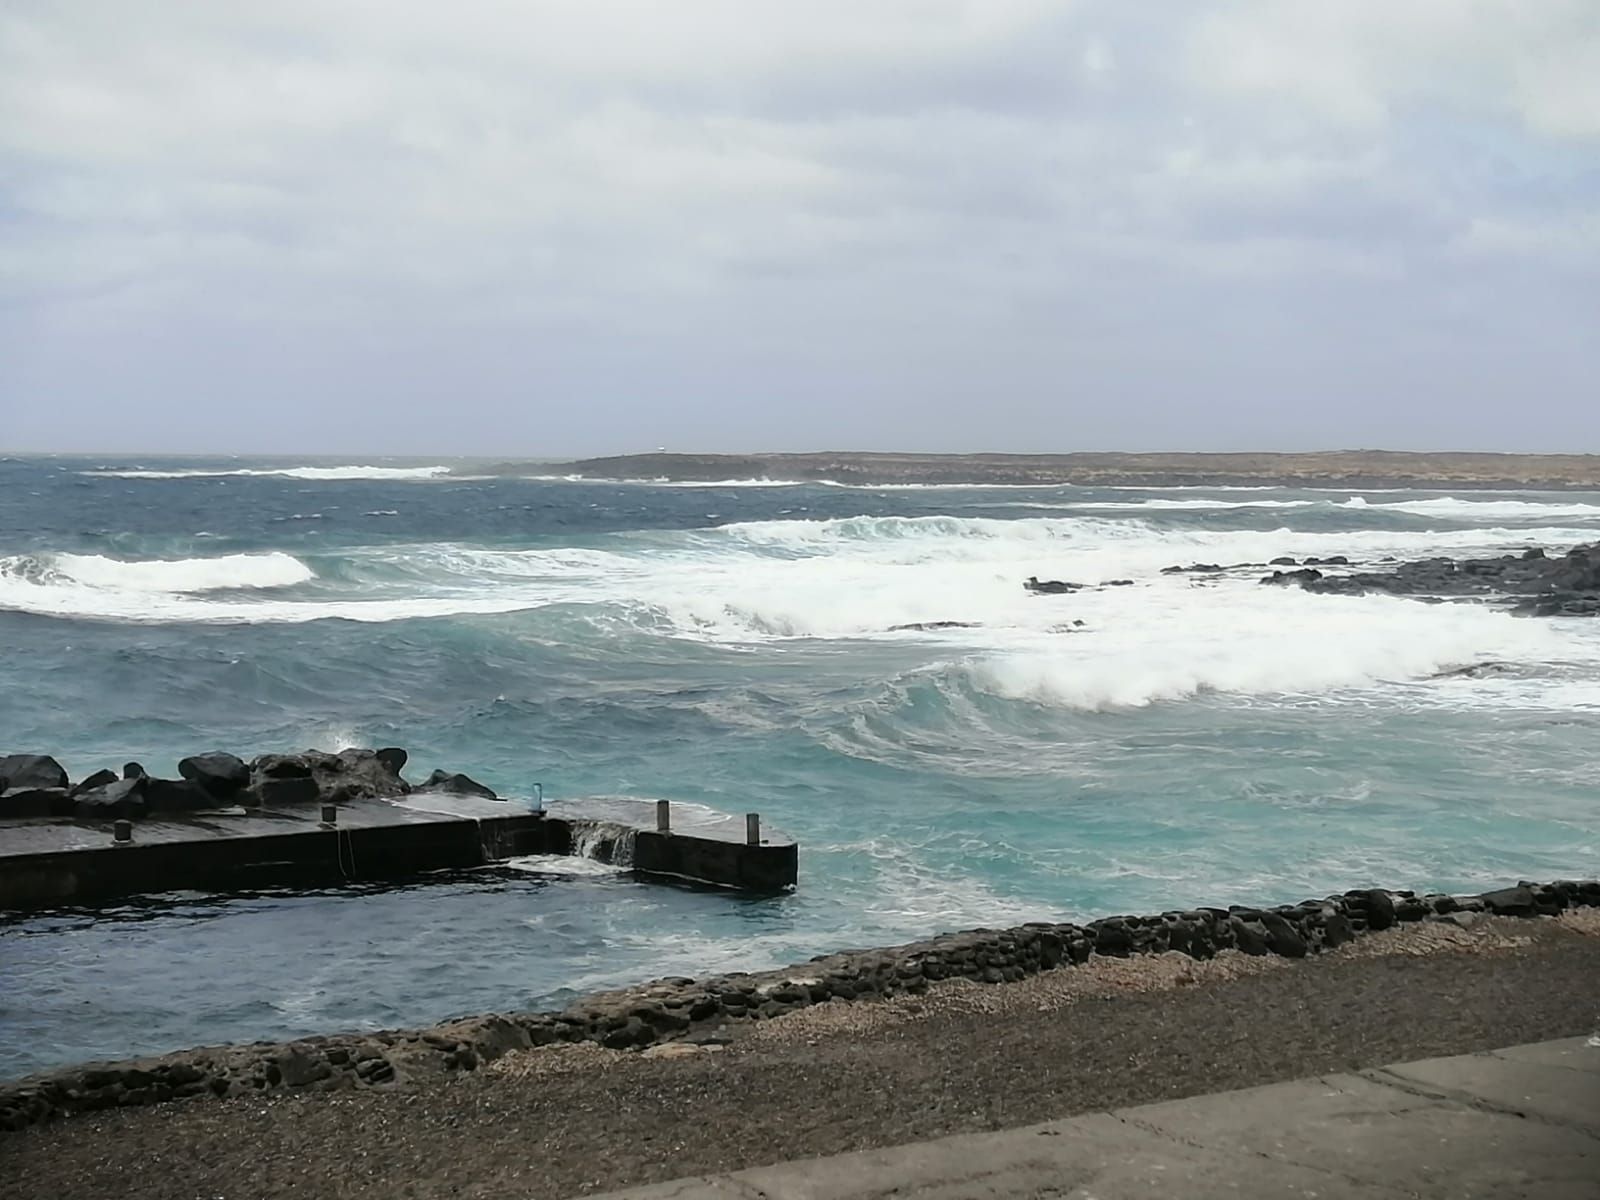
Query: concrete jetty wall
{"x": 51, "y": 861}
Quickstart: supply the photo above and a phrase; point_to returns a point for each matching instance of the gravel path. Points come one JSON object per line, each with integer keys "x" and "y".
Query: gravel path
{"x": 563, "y": 1121}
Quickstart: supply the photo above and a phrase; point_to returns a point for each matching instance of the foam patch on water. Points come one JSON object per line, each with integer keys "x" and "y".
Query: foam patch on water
{"x": 570, "y": 865}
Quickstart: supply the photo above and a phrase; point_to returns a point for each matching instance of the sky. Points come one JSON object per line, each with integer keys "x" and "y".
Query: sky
{"x": 552, "y": 227}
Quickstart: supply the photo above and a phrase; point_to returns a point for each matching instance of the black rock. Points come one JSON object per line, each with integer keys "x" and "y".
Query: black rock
{"x": 124, "y": 798}
{"x": 1050, "y": 587}
{"x": 925, "y": 626}
{"x": 220, "y": 774}
{"x": 32, "y": 771}
{"x": 98, "y": 779}
{"x": 444, "y": 781}
{"x": 1541, "y": 586}
{"x": 278, "y": 792}
{"x": 1120, "y": 583}
{"x": 1378, "y": 906}
{"x": 1334, "y": 560}
{"x": 1303, "y": 576}
{"x": 1248, "y": 936}
{"x": 1510, "y": 902}
{"x": 134, "y": 771}
{"x": 1282, "y": 937}
{"x": 178, "y": 795}
{"x": 281, "y": 766}
{"x": 329, "y": 778}
{"x": 1474, "y": 670}
{"x": 392, "y": 757}
{"x": 34, "y": 802}
{"x": 1285, "y": 561}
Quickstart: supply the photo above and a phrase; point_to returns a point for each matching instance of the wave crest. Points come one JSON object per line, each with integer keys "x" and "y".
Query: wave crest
{"x": 173, "y": 576}
{"x": 307, "y": 473}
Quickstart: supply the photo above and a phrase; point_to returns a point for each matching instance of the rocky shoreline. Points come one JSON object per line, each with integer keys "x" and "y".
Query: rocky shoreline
{"x": 701, "y": 1012}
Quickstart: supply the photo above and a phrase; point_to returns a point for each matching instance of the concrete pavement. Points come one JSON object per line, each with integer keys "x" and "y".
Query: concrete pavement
{"x": 1523, "y": 1122}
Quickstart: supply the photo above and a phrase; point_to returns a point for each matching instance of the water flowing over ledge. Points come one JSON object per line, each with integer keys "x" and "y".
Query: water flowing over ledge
{"x": 681, "y": 1008}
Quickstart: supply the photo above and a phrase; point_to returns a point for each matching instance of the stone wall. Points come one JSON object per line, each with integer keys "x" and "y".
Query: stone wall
{"x": 681, "y": 1008}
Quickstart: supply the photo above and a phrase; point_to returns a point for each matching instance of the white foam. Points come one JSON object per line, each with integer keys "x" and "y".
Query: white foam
{"x": 1451, "y": 508}
{"x": 563, "y": 864}
{"x": 307, "y": 473}
{"x": 854, "y": 579}
{"x": 1173, "y": 645}
{"x": 183, "y": 575}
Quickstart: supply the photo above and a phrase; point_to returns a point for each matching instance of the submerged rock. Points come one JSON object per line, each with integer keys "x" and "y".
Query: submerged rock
{"x": 925, "y": 626}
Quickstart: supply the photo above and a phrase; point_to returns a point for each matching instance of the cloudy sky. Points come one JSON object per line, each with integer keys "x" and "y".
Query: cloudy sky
{"x": 573, "y": 226}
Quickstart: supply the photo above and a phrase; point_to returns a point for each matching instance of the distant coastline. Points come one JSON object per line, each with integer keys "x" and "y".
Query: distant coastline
{"x": 1322, "y": 469}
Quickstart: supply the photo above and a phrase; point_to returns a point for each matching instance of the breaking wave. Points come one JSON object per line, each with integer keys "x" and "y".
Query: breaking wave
{"x": 307, "y": 473}
{"x": 159, "y": 575}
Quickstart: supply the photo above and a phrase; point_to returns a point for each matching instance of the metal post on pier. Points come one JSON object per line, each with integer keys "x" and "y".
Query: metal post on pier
{"x": 122, "y": 833}
{"x": 330, "y": 815}
{"x": 538, "y": 798}
{"x": 752, "y": 829}
{"x": 663, "y": 816}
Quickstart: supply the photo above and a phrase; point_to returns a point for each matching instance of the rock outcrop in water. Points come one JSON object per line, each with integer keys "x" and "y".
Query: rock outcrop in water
{"x": 1539, "y": 585}
{"x": 1050, "y": 587}
{"x": 36, "y": 785}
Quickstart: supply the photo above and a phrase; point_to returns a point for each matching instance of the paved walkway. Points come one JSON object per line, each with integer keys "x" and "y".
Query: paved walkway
{"x": 1523, "y": 1122}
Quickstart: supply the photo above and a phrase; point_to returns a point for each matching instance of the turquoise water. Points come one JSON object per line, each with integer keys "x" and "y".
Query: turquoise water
{"x": 1193, "y": 741}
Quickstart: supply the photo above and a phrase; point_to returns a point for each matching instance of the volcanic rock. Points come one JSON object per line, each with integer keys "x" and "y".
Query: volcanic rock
{"x": 222, "y": 775}
{"x": 32, "y": 771}
{"x": 462, "y": 785}
{"x": 124, "y": 798}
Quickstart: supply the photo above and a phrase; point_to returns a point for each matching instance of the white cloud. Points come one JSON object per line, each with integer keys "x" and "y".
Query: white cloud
{"x": 1362, "y": 63}
{"x": 966, "y": 181}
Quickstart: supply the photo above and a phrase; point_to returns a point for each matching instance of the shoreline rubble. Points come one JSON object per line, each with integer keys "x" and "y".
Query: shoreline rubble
{"x": 692, "y": 1011}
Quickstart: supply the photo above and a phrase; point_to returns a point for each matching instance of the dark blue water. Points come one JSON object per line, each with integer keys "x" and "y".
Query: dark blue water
{"x": 1192, "y": 741}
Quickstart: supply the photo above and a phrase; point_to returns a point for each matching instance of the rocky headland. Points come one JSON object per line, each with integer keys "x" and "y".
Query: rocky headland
{"x": 1335, "y": 469}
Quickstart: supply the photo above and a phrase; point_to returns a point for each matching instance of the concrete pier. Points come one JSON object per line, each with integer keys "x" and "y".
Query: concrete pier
{"x": 697, "y": 844}
{"x": 50, "y": 860}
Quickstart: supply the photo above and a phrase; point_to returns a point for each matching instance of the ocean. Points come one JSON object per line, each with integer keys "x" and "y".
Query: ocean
{"x": 1195, "y": 740}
